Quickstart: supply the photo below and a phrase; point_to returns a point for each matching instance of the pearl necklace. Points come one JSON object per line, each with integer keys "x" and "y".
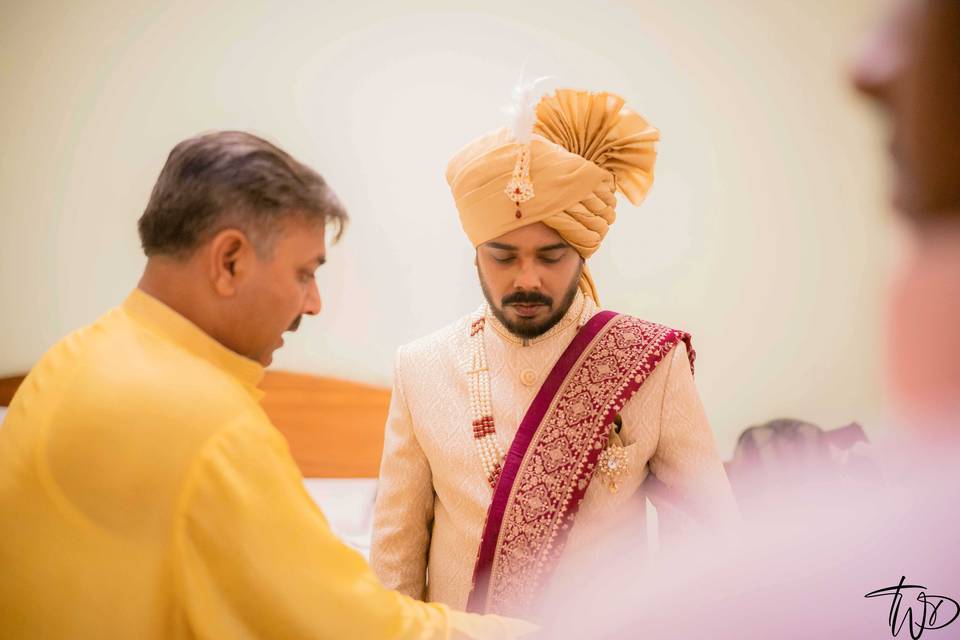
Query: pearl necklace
{"x": 481, "y": 410}
{"x": 478, "y": 375}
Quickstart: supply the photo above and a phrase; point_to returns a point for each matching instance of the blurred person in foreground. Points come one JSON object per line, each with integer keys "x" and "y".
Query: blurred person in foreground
{"x": 912, "y": 70}
{"x": 144, "y": 493}
{"x": 880, "y": 562}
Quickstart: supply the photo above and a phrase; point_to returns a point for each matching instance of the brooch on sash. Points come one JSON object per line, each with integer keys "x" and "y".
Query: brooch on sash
{"x": 612, "y": 462}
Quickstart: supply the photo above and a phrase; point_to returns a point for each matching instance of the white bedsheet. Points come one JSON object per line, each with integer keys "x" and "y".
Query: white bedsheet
{"x": 348, "y": 506}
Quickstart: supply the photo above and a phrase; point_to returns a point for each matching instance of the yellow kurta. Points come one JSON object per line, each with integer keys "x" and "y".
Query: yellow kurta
{"x": 145, "y": 494}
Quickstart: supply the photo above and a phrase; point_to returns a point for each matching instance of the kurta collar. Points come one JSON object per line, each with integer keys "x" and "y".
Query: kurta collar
{"x": 166, "y": 322}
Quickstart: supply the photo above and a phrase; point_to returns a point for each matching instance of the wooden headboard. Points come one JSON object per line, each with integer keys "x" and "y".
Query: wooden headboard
{"x": 8, "y": 387}
{"x": 334, "y": 427}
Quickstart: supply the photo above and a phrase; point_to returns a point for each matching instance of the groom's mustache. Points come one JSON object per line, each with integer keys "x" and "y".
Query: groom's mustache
{"x": 527, "y": 297}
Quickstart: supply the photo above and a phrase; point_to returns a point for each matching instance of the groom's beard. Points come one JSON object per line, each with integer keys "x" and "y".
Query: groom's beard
{"x": 528, "y": 328}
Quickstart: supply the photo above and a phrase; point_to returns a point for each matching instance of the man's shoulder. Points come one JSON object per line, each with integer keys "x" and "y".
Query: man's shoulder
{"x": 650, "y": 326}
{"x": 115, "y": 366}
{"x": 650, "y": 329}
{"x": 114, "y": 387}
{"x": 654, "y": 335}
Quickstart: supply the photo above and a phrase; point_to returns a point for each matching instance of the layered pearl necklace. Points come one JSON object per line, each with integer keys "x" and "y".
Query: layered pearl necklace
{"x": 478, "y": 375}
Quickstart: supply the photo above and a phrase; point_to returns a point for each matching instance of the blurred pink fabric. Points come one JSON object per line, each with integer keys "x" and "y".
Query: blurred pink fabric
{"x": 802, "y": 570}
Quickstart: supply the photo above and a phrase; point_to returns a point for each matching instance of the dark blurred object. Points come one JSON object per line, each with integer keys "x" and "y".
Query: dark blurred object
{"x": 788, "y": 459}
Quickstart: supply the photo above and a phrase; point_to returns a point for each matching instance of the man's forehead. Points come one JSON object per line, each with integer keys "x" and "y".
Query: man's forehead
{"x": 305, "y": 237}
{"x": 532, "y": 236}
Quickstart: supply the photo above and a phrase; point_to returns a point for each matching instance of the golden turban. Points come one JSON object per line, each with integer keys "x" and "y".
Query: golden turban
{"x": 585, "y": 147}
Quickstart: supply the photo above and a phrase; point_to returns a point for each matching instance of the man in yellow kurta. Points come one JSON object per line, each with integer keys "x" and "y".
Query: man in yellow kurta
{"x": 510, "y": 422}
{"x": 143, "y": 491}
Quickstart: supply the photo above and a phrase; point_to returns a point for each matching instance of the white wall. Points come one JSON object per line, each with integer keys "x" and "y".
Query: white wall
{"x": 764, "y": 233}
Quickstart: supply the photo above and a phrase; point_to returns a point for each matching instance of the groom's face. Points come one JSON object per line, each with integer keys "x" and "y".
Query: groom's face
{"x": 530, "y": 277}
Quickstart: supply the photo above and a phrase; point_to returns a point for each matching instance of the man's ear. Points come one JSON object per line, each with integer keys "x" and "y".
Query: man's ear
{"x": 230, "y": 257}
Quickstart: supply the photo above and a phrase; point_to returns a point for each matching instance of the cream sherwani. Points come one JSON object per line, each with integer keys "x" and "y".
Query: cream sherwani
{"x": 433, "y": 495}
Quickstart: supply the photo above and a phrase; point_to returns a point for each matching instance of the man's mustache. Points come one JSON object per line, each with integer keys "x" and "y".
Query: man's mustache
{"x": 295, "y": 324}
{"x": 526, "y": 297}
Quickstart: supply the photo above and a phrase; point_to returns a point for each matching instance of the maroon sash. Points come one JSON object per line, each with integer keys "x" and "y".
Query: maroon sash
{"x": 551, "y": 461}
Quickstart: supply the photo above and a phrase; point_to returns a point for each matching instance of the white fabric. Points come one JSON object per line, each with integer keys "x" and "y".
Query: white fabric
{"x": 348, "y": 505}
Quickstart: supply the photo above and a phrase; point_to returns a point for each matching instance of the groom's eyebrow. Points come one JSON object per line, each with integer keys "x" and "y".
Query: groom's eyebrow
{"x": 553, "y": 247}
{"x": 501, "y": 246}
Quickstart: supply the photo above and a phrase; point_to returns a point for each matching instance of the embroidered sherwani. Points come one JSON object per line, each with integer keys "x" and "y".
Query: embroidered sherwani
{"x": 433, "y": 497}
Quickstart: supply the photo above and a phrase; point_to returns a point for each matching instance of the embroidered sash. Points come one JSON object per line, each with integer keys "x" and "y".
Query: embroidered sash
{"x": 552, "y": 459}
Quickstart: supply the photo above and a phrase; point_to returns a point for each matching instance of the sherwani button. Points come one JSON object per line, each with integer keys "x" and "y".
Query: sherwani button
{"x": 528, "y": 377}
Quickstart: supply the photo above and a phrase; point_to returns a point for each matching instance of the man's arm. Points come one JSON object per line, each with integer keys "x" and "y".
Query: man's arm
{"x": 688, "y": 473}
{"x": 403, "y": 514}
{"x": 255, "y": 558}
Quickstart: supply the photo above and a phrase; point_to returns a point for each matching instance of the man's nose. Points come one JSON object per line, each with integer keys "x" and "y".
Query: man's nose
{"x": 312, "y": 304}
{"x": 878, "y": 62}
{"x": 528, "y": 277}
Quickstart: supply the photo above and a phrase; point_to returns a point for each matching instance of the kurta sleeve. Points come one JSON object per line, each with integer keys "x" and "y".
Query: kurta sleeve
{"x": 403, "y": 513}
{"x": 255, "y": 558}
{"x": 688, "y": 477}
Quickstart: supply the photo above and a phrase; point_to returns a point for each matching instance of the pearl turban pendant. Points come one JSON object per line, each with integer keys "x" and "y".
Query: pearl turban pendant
{"x": 585, "y": 147}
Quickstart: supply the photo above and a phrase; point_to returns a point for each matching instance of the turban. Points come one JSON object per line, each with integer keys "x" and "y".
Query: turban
{"x": 585, "y": 147}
